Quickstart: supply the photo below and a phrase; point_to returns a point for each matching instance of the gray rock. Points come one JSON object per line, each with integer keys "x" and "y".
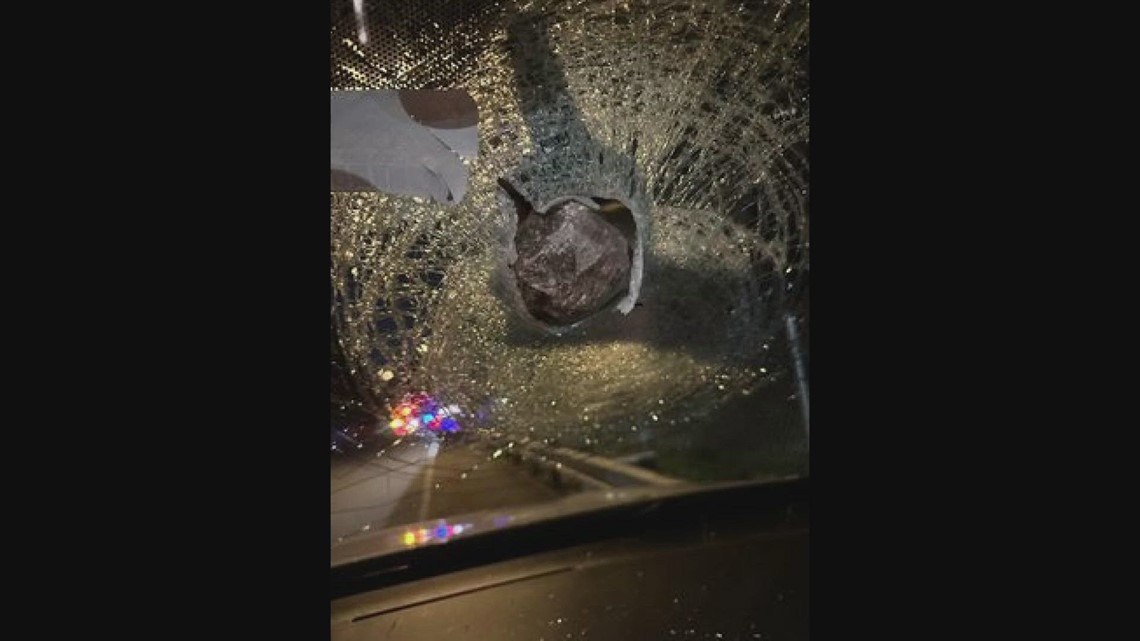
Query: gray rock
{"x": 571, "y": 263}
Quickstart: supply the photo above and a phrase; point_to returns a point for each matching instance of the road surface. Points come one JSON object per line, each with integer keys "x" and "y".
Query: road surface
{"x": 418, "y": 480}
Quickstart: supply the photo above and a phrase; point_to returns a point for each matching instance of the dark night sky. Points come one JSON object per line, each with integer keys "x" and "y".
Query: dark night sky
{"x": 342, "y": 390}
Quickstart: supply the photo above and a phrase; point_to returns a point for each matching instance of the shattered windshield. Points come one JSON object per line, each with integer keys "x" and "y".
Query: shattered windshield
{"x": 569, "y": 253}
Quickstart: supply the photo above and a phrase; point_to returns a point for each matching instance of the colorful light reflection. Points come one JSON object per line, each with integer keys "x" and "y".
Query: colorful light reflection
{"x": 421, "y": 410}
{"x": 441, "y": 533}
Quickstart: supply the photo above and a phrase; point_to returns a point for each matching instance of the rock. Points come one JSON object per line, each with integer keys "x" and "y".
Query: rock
{"x": 571, "y": 263}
